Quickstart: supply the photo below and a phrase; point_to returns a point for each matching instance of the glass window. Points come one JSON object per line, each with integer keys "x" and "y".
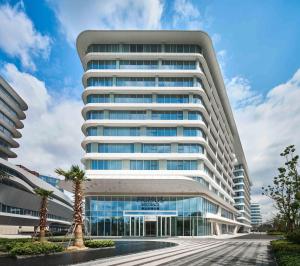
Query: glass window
{"x": 171, "y": 98}
{"x": 144, "y": 165}
{"x": 167, "y": 115}
{"x": 156, "y": 148}
{"x": 197, "y": 99}
{"x": 100, "y": 81}
{"x": 133, "y": 98}
{"x": 143, "y": 48}
{"x": 193, "y": 132}
{"x": 95, "y": 115}
{"x": 171, "y": 64}
{"x": 175, "y": 82}
{"x": 194, "y": 115}
{"x": 190, "y": 148}
{"x": 98, "y": 98}
{"x": 92, "y": 131}
{"x": 121, "y": 131}
{"x": 182, "y": 165}
{"x": 127, "y": 115}
{"x": 182, "y": 48}
{"x": 115, "y": 148}
{"x": 106, "y": 165}
{"x": 162, "y": 131}
{"x": 138, "y": 64}
{"x": 135, "y": 81}
{"x": 101, "y": 64}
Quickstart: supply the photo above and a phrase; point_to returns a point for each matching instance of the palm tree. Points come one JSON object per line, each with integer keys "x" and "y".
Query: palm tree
{"x": 77, "y": 176}
{"x": 3, "y": 175}
{"x": 45, "y": 195}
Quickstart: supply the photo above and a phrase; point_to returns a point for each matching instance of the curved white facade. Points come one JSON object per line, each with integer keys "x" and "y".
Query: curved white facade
{"x": 158, "y": 129}
{"x": 19, "y": 205}
{"x": 12, "y": 109}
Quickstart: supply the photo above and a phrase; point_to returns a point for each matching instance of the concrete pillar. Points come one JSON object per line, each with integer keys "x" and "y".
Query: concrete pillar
{"x": 137, "y": 147}
{"x": 143, "y": 131}
{"x": 148, "y": 114}
{"x": 163, "y": 165}
{"x": 126, "y": 165}
{"x": 99, "y": 131}
{"x": 185, "y": 115}
{"x": 179, "y": 131}
{"x": 174, "y": 147}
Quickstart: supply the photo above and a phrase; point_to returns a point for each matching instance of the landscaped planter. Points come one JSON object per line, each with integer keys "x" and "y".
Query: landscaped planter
{"x": 73, "y": 257}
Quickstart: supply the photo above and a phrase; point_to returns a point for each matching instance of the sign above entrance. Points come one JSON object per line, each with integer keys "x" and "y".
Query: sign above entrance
{"x": 150, "y": 218}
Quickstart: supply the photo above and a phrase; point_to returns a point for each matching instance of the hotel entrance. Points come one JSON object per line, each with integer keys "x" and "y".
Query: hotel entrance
{"x": 165, "y": 226}
{"x": 150, "y": 228}
{"x": 150, "y": 223}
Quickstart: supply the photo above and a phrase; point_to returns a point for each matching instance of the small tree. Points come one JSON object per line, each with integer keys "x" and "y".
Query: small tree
{"x": 45, "y": 195}
{"x": 285, "y": 191}
{"x": 77, "y": 176}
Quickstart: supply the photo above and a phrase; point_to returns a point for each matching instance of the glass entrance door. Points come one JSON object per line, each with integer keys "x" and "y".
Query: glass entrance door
{"x": 136, "y": 226}
{"x": 151, "y": 228}
{"x": 165, "y": 226}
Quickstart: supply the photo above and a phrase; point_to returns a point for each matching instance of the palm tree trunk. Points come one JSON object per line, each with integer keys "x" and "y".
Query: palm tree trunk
{"x": 78, "y": 221}
{"x": 43, "y": 220}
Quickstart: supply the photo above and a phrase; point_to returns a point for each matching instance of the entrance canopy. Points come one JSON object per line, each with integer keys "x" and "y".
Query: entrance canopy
{"x": 149, "y": 185}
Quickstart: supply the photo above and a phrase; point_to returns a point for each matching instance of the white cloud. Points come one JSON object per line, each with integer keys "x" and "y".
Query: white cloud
{"x": 241, "y": 93}
{"x": 188, "y": 16}
{"x": 76, "y": 16}
{"x": 266, "y": 127}
{"x": 19, "y": 38}
{"x": 51, "y": 136}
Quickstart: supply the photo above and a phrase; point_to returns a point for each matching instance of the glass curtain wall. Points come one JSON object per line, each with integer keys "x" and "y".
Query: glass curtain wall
{"x": 107, "y": 215}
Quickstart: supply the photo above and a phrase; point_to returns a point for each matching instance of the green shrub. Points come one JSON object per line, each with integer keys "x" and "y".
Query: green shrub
{"x": 99, "y": 243}
{"x": 283, "y": 245}
{"x": 274, "y": 233}
{"x": 286, "y": 253}
{"x": 6, "y": 244}
{"x": 34, "y": 248}
{"x": 294, "y": 236}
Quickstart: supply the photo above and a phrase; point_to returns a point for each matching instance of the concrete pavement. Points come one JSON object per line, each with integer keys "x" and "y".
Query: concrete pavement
{"x": 240, "y": 251}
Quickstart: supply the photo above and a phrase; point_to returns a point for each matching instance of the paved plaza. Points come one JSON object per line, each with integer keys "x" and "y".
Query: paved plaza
{"x": 245, "y": 250}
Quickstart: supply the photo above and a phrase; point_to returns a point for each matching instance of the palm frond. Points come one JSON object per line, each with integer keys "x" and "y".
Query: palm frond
{"x": 43, "y": 192}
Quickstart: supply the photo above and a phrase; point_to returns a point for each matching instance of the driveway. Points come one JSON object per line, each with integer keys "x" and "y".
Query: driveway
{"x": 244, "y": 250}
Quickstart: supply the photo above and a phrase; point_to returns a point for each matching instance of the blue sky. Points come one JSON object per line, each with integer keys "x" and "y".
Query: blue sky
{"x": 257, "y": 43}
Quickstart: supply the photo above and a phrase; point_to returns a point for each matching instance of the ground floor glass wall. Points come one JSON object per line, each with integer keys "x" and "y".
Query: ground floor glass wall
{"x": 148, "y": 216}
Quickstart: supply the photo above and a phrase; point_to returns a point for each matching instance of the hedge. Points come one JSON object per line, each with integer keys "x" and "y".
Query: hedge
{"x": 34, "y": 248}
{"x": 286, "y": 253}
{"x": 99, "y": 243}
{"x": 6, "y": 244}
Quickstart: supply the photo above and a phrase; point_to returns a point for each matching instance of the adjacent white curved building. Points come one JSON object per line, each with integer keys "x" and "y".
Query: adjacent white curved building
{"x": 12, "y": 109}
{"x": 19, "y": 205}
{"x": 160, "y": 137}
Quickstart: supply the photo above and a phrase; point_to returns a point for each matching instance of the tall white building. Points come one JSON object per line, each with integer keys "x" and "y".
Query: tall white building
{"x": 256, "y": 218}
{"x": 160, "y": 138}
{"x": 241, "y": 188}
